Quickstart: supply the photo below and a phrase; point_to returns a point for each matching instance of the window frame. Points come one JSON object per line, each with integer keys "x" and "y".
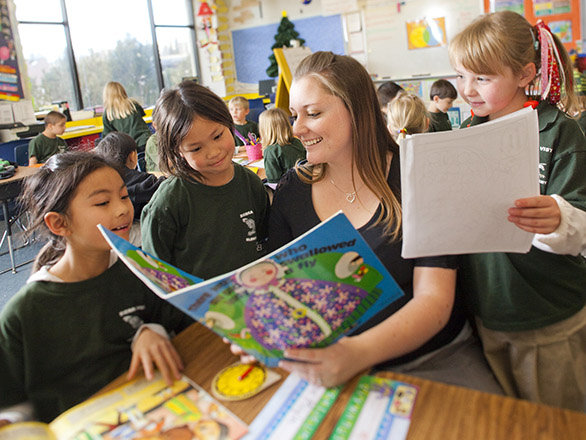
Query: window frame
{"x": 156, "y": 54}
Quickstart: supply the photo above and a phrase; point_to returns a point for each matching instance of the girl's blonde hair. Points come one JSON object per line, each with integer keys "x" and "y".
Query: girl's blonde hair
{"x": 407, "y": 115}
{"x": 117, "y": 104}
{"x": 274, "y": 127}
{"x": 344, "y": 77}
{"x": 504, "y": 39}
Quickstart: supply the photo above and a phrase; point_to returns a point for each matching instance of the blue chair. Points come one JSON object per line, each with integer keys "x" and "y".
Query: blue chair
{"x": 21, "y": 155}
{"x": 256, "y": 106}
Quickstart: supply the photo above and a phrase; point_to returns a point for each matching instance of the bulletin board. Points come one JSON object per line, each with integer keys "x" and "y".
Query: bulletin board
{"x": 392, "y": 27}
{"x": 252, "y": 46}
{"x": 562, "y": 16}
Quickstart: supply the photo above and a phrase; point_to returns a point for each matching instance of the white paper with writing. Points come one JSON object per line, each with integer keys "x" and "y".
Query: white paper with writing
{"x": 457, "y": 186}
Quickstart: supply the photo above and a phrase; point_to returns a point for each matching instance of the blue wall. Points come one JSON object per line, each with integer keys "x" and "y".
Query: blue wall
{"x": 252, "y": 46}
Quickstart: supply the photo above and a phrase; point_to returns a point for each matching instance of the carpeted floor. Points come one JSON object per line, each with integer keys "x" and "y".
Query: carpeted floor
{"x": 10, "y": 282}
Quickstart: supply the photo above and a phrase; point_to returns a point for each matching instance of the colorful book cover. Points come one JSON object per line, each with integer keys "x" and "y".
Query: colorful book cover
{"x": 294, "y": 412}
{"x": 309, "y": 293}
{"x": 140, "y": 409}
{"x": 378, "y": 409}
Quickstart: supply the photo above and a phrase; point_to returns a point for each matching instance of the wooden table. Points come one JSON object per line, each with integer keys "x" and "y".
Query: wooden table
{"x": 10, "y": 189}
{"x": 441, "y": 411}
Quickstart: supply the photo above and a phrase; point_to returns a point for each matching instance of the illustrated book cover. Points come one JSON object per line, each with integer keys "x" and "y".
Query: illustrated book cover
{"x": 309, "y": 293}
{"x": 139, "y": 409}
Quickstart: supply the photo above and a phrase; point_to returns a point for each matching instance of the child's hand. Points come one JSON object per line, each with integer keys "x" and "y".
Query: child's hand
{"x": 245, "y": 358}
{"x": 540, "y": 214}
{"x": 328, "y": 367}
{"x": 151, "y": 348}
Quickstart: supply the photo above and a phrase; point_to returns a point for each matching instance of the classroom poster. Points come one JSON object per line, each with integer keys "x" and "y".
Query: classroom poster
{"x": 509, "y": 5}
{"x": 551, "y": 7}
{"x": 428, "y": 32}
{"x": 412, "y": 87}
{"x": 563, "y": 29}
{"x": 10, "y": 84}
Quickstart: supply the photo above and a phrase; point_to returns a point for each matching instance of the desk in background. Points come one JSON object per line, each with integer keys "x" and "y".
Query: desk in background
{"x": 10, "y": 189}
{"x": 441, "y": 411}
{"x": 79, "y": 135}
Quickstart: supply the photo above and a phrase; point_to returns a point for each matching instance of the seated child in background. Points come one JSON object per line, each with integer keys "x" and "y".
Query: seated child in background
{"x": 47, "y": 143}
{"x": 123, "y": 151}
{"x": 211, "y": 215}
{"x": 282, "y": 150}
{"x": 239, "y": 109}
{"x": 407, "y": 115}
{"x": 83, "y": 318}
{"x": 385, "y": 93}
{"x": 442, "y": 96}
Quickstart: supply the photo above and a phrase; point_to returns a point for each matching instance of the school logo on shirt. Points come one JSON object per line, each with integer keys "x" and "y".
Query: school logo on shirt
{"x": 131, "y": 317}
{"x": 248, "y": 219}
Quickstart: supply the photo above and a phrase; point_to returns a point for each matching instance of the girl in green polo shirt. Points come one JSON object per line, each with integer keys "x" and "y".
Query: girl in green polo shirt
{"x": 530, "y": 308}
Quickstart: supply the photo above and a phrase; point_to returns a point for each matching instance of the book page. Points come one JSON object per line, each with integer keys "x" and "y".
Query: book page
{"x": 457, "y": 187}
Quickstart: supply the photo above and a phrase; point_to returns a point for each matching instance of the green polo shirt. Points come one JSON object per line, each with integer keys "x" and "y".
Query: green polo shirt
{"x": 439, "y": 121}
{"x": 280, "y": 158}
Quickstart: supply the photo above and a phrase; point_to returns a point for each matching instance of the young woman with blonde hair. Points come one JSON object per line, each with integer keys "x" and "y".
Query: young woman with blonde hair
{"x": 353, "y": 165}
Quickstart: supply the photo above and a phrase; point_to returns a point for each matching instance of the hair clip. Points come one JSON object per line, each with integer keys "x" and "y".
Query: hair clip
{"x": 535, "y": 40}
{"x": 402, "y": 130}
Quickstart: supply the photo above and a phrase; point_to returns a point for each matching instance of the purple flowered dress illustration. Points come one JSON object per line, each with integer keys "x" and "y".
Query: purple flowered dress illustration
{"x": 291, "y": 312}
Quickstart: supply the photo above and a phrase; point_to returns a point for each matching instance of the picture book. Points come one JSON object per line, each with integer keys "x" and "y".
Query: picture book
{"x": 294, "y": 412}
{"x": 139, "y": 409}
{"x": 378, "y": 409}
{"x": 309, "y": 293}
{"x": 457, "y": 186}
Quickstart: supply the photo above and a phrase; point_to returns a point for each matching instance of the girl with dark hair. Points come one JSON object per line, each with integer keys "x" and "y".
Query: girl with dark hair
{"x": 83, "y": 317}
{"x": 211, "y": 215}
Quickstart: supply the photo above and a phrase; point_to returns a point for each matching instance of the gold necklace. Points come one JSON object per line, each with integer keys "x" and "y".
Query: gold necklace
{"x": 350, "y": 197}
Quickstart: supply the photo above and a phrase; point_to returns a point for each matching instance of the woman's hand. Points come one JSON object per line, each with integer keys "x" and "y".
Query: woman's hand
{"x": 328, "y": 366}
{"x": 151, "y": 348}
{"x": 539, "y": 215}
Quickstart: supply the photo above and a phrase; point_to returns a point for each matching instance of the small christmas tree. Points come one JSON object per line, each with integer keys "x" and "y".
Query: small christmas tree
{"x": 285, "y": 33}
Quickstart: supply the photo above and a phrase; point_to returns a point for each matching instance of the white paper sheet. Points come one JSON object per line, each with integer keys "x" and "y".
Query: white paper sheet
{"x": 457, "y": 187}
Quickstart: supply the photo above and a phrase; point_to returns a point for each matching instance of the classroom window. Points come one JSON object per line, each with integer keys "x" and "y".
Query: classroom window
{"x": 105, "y": 46}
{"x": 47, "y": 63}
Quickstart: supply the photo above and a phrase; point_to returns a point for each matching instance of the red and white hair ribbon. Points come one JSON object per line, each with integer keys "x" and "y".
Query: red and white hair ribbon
{"x": 552, "y": 72}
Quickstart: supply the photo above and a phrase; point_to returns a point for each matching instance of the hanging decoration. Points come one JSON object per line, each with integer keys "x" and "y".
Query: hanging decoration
{"x": 205, "y": 21}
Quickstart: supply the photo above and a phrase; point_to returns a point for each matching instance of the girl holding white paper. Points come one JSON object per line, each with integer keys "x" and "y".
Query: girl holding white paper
{"x": 530, "y": 308}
